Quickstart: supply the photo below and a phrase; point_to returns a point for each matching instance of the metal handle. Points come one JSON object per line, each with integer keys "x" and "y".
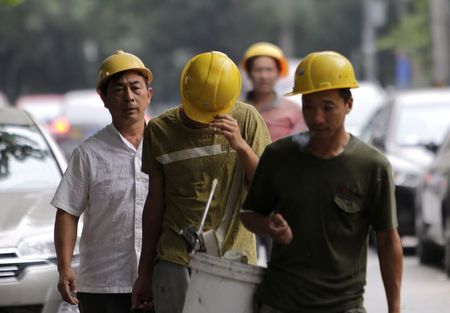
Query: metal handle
{"x": 211, "y": 194}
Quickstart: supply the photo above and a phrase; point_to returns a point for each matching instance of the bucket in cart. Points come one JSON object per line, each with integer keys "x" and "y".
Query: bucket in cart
{"x": 219, "y": 285}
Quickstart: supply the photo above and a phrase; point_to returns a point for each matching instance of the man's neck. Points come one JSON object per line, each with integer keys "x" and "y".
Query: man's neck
{"x": 262, "y": 99}
{"x": 132, "y": 132}
{"x": 190, "y": 123}
{"x": 329, "y": 147}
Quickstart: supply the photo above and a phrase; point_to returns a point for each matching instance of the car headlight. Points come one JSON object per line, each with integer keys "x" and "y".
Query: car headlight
{"x": 37, "y": 247}
{"x": 40, "y": 247}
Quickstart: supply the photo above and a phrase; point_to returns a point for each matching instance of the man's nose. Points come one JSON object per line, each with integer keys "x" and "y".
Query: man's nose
{"x": 129, "y": 93}
{"x": 318, "y": 117}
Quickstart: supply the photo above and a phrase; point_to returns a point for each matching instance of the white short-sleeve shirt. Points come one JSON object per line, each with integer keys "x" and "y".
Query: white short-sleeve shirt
{"x": 104, "y": 182}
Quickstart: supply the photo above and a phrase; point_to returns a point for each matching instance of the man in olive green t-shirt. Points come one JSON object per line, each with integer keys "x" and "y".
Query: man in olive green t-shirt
{"x": 317, "y": 194}
{"x": 210, "y": 136}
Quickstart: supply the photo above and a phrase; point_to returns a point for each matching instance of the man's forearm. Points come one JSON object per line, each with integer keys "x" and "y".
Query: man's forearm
{"x": 255, "y": 222}
{"x": 390, "y": 255}
{"x": 65, "y": 237}
{"x": 249, "y": 160}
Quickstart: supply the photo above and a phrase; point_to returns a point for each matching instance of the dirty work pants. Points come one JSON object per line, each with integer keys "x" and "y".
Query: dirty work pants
{"x": 170, "y": 282}
{"x": 264, "y": 308}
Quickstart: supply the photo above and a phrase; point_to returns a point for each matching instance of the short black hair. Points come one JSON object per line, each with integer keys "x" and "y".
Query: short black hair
{"x": 345, "y": 94}
{"x": 249, "y": 63}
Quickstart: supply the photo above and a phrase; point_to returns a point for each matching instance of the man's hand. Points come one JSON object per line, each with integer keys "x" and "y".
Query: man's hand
{"x": 229, "y": 128}
{"x": 142, "y": 296}
{"x": 279, "y": 229}
{"x": 67, "y": 286}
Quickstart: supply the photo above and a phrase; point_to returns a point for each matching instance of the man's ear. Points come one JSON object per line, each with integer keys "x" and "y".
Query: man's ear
{"x": 103, "y": 97}
{"x": 349, "y": 105}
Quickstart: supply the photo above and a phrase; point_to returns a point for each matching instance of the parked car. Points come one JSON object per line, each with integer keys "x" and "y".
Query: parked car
{"x": 31, "y": 166}
{"x": 3, "y": 100}
{"x": 408, "y": 129}
{"x": 433, "y": 210}
{"x": 83, "y": 114}
{"x": 46, "y": 108}
{"x": 366, "y": 99}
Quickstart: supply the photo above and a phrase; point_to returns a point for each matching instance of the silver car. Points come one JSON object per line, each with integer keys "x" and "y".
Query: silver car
{"x": 408, "y": 129}
{"x": 31, "y": 167}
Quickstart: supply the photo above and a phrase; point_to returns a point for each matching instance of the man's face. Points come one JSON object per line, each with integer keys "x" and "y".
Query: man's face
{"x": 127, "y": 98}
{"x": 324, "y": 112}
{"x": 264, "y": 74}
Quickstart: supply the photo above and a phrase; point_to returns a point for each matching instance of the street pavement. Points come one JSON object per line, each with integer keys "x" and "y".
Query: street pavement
{"x": 425, "y": 289}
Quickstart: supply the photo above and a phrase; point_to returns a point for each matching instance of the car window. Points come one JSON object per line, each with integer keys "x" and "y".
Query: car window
{"x": 26, "y": 161}
{"x": 424, "y": 124}
{"x": 377, "y": 127}
{"x": 367, "y": 98}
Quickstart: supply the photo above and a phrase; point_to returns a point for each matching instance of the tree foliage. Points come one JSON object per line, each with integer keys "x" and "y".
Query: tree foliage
{"x": 56, "y": 46}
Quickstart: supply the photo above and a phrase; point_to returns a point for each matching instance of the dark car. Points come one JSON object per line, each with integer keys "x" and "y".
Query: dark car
{"x": 433, "y": 210}
{"x": 408, "y": 129}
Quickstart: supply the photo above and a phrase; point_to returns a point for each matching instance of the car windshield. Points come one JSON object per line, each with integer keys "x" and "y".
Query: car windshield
{"x": 423, "y": 124}
{"x": 25, "y": 160}
{"x": 366, "y": 99}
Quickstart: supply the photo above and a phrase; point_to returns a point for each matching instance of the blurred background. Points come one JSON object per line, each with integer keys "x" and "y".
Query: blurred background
{"x": 50, "y": 51}
{"x": 52, "y": 46}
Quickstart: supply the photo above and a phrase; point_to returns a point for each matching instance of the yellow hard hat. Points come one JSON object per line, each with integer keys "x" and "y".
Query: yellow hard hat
{"x": 210, "y": 84}
{"x": 120, "y": 61}
{"x": 324, "y": 70}
{"x": 266, "y": 49}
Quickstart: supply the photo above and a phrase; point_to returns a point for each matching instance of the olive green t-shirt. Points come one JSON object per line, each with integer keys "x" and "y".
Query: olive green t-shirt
{"x": 189, "y": 159}
{"x": 329, "y": 205}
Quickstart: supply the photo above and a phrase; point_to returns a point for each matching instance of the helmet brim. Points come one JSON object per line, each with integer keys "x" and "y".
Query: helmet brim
{"x": 203, "y": 116}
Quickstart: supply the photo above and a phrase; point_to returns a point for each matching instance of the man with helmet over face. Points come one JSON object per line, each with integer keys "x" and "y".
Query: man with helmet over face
{"x": 317, "y": 194}
{"x": 104, "y": 183}
{"x": 210, "y": 135}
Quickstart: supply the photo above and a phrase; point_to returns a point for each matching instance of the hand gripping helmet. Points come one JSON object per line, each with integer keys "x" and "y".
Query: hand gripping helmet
{"x": 266, "y": 49}
{"x": 325, "y": 70}
{"x": 210, "y": 84}
{"x": 120, "y": 61}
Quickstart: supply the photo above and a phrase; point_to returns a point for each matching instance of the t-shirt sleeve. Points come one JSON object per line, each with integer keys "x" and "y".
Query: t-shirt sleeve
{"x": 383, "y": 211}
{"x": 149, "y": 163}
{"x": 73, "y": 191}
{"x": 261, "y": 197}
{"x": 256, "y": 133}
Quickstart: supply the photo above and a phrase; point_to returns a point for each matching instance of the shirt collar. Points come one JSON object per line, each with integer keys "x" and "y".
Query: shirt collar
{"x": 117, "y": 133}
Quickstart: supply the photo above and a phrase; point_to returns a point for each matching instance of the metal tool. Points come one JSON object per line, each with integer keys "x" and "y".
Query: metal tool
{"x": 191, "y": 235}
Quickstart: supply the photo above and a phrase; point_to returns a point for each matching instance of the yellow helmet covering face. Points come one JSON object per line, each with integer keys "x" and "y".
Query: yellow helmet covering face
{"x": 210, "y": 84}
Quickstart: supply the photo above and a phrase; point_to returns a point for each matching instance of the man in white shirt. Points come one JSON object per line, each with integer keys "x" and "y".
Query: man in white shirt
{"x": 104, "y": 183}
